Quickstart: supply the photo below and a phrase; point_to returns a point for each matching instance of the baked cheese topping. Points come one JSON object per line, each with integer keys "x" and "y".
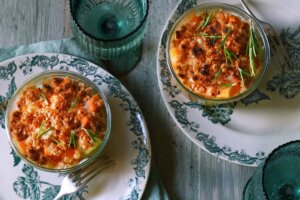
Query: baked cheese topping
{"x": 58, "y": 123}
{"x": 215, "y": 54}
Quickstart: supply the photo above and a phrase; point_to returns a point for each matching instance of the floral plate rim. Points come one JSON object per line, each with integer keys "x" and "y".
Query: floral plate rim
{"x": 179, "y": 106}
{"x": 138, "y": 135}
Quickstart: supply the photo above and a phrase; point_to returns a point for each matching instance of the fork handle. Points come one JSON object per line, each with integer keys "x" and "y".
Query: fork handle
{"x": 59, "y": 195}
{"x": 272, "y": 35}
{"x": 249, "y": 11}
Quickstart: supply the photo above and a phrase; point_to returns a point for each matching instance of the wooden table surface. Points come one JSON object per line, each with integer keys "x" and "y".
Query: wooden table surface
{"x": 187, "y": 171}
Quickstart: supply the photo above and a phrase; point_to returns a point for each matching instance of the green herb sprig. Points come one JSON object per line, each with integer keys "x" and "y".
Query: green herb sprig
{"x": 228, "y": 55}
{"x": 205, "y": 35}
{"x": 72, "y": 141}
{"x": 217, "y": 74}
{"x": 41, "y": 127}
{"x": 227, "y": 85}
{"x": 243, "y": 73}
{"x": 91, "y": 134}
{"x": 252, "y": 50}
{"x": 46, "y": 131}
{"x": 73, "y": 104}
{"x": 224, "y": 40}
{"x": 42, "y": 95}
{"x": 206, "y": 20}
{"x": 54, "y": 140}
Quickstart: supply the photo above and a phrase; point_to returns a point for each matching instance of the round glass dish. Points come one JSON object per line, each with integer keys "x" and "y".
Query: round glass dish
{"x": 218, "y": 40}
{"x": 40, "y": 81}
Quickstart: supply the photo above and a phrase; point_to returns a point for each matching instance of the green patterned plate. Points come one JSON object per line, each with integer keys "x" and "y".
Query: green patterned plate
{"x": 129, "y": 143}
{"x": 243, "y": 132}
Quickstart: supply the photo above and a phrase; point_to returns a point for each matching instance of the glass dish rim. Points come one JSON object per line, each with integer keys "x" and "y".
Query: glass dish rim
{"x": 142, "y": 22}
{"x": 239, "y": 12}
{"x": 59, "y": 73}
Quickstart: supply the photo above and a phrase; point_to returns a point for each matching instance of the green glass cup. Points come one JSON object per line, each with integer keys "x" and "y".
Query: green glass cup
{"x": 278, "y": 177}
{"x": 111, "y": 30}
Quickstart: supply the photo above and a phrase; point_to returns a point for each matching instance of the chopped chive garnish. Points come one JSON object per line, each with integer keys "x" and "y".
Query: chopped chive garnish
{"x": 43, "y": 133}
{"x": 41, "y": 127}
{"x": 251, "y": 50}
{"x": 223, "y": 40}
{"x": 73, "y": 104}
{"x": 228, "y": 55}
{"x": 72, "y": 141}
{"x": 213, "y": 37}
{"x": 207, "y": 19}
{"x": 227, "y": 85}
{"x": 243, "y": 74}
{"x": 43, "y": 96}
{"x": 54, "y": 140}
{"x": 210, "y": 36}
{"x": 217, "y": 74}
{"x": 90, "y": 134}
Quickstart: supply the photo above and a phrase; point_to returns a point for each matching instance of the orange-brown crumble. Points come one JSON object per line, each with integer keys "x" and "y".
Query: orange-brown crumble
{"x": 212, "y": 59}
{"x": 59, "y": 123}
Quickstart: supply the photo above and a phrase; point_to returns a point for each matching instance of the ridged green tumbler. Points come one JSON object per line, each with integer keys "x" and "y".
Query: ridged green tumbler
{"x": 111, "y": 30}
{"x": 278, "y": 177}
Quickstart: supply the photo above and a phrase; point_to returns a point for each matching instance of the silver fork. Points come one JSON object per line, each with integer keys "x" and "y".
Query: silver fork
{"x": 76, "y": 180}
{"x": 274, "y": 39}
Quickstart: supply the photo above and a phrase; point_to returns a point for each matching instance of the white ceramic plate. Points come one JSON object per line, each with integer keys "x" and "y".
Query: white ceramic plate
{"x": 128, "y": 146}
{"x": 244, "y": 132}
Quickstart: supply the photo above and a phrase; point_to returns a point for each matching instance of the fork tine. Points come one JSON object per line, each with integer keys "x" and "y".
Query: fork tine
{"x": 280, "y": 48}
{"x": 277, "y": 59}
{"x": 76, "y": 180}
{"x": 99, "y": 160}
{"x": 84, "y": 175}
{"x": 281, "y": 53}
{"x": 91, "y": 174}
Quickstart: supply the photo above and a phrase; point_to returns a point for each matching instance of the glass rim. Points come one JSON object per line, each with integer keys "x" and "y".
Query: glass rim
{"x": 262, "y": 34}
{"x": 72, "y": 11}
{"x": 245, "y": 187}
{"x": 267, "y": 160}
{"x": 39, "y": 76}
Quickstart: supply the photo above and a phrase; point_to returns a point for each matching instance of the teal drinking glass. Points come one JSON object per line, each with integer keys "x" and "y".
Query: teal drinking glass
{"x": 111, "y": 30}
{"x": 278, "y": 177}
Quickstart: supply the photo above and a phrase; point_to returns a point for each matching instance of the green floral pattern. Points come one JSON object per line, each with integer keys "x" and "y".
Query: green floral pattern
{"x": 127, "y": 104}
{"x": 3, "y": 104}
{"x": 16, "y": 158}
{"x": 255, "y": 97}
{"x": 288, "y": 81}
{"x": 142, "y": 159}
{"x": 134, "y": 194}
{"x": 41, "y": 61}
{"x": 81, "y": 65}
{"x": 240, "y": 156}
{"x": 30, "y": 186}
{"x": 4, "y": 101}
{"x": 181, "y": 116}
{"x": 216, "y": 114}
{"x": 7, "y": 71}
{"x": 209, "y": 142}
